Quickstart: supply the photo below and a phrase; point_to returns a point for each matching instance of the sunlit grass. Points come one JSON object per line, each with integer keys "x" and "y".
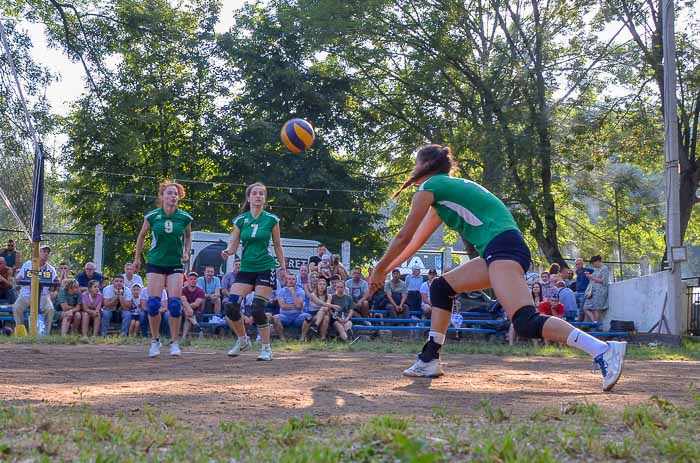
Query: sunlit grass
{"x": 655, "y": 430}
{"x": 689, "y": 349}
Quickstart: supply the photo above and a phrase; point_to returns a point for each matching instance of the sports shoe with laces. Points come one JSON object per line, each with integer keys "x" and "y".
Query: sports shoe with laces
{"x": 175, "y": 350}
{"x": 239, "y": 347}
{"x": 421, "y": 369}
{"x": 154, "y": 351}
{"x": 611, "y": 363}
{"x": 265, "y": 353}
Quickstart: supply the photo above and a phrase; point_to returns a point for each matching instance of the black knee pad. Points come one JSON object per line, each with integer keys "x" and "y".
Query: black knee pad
{"x": 441, "y": 294}
{"x": 259, "y": 316}
{"x": 528, "y": 323}
{"x": 232, "y": 308}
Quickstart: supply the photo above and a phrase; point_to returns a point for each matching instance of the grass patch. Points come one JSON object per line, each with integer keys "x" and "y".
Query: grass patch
{"x": 652, "y": 431}
{"x": 689, "y": 349}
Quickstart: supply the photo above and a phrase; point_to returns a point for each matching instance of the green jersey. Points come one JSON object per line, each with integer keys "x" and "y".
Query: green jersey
{"x": 167, "y": 237}
{"x": 469, "y": 209}
{"x": 256, "y": 233}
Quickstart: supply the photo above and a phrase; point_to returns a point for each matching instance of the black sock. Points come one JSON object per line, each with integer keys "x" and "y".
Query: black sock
{"x": 430, "y": 352}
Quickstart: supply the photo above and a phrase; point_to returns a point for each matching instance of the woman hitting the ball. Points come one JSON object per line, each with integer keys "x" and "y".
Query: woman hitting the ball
{"x": 483, "y": 220}
{"x": 253, "y": 229}
{"x": 171, "y": 241}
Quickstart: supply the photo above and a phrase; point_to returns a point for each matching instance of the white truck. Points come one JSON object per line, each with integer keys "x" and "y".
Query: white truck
{"x": 207, "y": 247}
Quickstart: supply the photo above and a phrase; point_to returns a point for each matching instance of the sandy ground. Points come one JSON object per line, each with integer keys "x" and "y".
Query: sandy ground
{"x": 204, "y": 386}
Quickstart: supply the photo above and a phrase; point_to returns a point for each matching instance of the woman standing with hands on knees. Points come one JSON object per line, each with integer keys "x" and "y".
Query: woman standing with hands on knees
{"x": 483, "y": 220}
{"x": 171, "y": 241}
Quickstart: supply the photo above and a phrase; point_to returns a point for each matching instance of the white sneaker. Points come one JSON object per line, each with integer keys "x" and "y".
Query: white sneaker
{"x": 239, "y": 347}
{"x": 265, "y": 353}
{"x": 154, "y": 351}
{"x": 175, "y": 350}
{"x": 421, "y": 369}
{"x": 611, "y": 363}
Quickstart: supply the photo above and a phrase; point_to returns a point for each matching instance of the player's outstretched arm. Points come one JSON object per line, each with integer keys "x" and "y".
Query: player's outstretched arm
{"x": 420, "y": 206}
{"x": 427, "y": 227}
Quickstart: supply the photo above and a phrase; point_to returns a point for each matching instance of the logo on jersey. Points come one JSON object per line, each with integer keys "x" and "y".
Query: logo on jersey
{"x": 159, "y": 217}
{"x": 246, "y": 221}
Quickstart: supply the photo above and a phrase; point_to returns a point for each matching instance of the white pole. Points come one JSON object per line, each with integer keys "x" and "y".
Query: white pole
{"x": 99, "y": 243}
{"x": 345, "y": 254}
{"x": 673, "y": 222}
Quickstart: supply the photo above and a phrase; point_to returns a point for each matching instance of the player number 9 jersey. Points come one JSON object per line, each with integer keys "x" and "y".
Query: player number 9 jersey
{"x": 167, "y": 237}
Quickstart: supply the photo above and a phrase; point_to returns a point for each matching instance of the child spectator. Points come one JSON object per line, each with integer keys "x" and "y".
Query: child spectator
{"x": 92, "y": 308}
{"x": 135, "y": 311}
{"x": 71, "y": 308}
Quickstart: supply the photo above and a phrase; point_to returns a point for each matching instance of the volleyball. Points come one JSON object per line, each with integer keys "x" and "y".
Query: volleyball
{"x": 297, "y": 135}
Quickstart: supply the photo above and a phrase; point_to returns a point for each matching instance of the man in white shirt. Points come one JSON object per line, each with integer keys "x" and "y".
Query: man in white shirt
{"x": 116, "y": 298}
{"x": 425, "y": 293}
{"x": 47, "y": 274}
{"x": 130, "y": 277}
{"x": 164, "y": 314}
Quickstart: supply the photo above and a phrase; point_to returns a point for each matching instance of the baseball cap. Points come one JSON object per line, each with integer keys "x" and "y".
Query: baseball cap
{"x": 136, "y": 284}
{"x": 193, "y": 274}
{"x": 415, "y": 267}
{"x": 45, "y": 246}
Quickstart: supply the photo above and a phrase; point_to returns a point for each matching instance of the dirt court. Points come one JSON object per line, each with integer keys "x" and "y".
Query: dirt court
{"x": 205, "y": 386}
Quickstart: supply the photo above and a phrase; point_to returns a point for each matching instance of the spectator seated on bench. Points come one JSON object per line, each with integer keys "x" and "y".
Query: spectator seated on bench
{"x": 192, "y": 298}
{"x": 164, "y": 314}
{"x": 319, "y": 307}
{"x": 135, "y": 323}
{"x": 47, "y": 275}
{"x": 8, "y": 294}
{"x": 396, "y": 294}
{"x": 291, "y": 302}
{"x": 567, "y": 298}
{"x": 358, "y": 289}
{"x": 70, "y": 304}
{"x": 211, "y": 285}
{"x": 116, "y": 300}
{"x": 342, "y": 309}
{"x": 92, "y": 309}
{"x": 426, "y": 308}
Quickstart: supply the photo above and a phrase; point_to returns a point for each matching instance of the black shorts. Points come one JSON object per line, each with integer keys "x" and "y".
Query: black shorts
{"x": 509, "y": 245}
{"x": 265, "y": 278}
{"x": 160, "y": 270}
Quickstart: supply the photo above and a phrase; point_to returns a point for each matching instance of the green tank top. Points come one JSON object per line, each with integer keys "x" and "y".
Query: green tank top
{"x": 469, "y": 209}
{"x": 167, "y": 237}
{"x": 256, "y": 233}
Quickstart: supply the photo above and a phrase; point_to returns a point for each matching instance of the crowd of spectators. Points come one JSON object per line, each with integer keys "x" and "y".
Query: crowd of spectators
{"x": 322, "y": 298}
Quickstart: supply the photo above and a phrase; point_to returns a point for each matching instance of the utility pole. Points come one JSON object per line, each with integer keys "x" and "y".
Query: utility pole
{"x": 673, "y": 229}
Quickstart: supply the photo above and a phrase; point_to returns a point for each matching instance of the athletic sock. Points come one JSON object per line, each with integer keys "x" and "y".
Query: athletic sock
{"x": 265, "y": 345}
{"x": 587, "y": 343}
{"x": 244, "y": 338}
{"x": 431, "y": 349}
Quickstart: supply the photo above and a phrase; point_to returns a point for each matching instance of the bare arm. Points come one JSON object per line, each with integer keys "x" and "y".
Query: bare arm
{"x": 430, "y": 223}
{"x": 188, "y": 244}
{"x": 233, "y": 244}
{"x": 139, "y": 244}
{"x": 279, "y": 252}
{"x": 419, "y": 209}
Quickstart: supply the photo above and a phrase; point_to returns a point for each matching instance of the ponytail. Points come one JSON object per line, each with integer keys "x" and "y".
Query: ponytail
{"x": 434, "y": 159}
